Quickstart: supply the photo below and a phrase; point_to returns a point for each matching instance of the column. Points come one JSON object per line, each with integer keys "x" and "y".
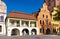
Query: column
{"x": 36, "y": 24}
{"x": 8, "y": 23}
{"x": 15, "y": 24}
{"x": 9, "y": 32}
{"x": 20, "y": 32}
{"x": 20, "y": 23}
{"x": 4, "y": 29}
{"x": 29, "y": 23}
{"x": 29, "y": 31}
{"x": 37, "y": 31}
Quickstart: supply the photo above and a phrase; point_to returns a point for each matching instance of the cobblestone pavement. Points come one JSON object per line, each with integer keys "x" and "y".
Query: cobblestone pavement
{"x": 32, "y": 37}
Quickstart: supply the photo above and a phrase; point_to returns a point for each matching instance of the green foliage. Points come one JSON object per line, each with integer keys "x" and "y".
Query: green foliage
{"x": 57, "y": 16}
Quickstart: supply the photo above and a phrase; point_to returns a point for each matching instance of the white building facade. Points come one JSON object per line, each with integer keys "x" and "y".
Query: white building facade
{"x": 19, "y": 27}
{"x": 16, "y": 26}
{"x": 3, "y": 11}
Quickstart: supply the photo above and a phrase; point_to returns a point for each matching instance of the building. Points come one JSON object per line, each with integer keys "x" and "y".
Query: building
{"x": 3, "y": 10}
{"x": 19, "y": 23}
{"x": 56, "y": 25}
{"x": 38, "y": 23}
{"x": 57, "y": 2}
{"x": 50, "y": 4}
{"x": 44, "y": 21}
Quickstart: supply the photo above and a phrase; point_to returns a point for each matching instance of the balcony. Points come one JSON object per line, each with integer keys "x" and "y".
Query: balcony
{"x": 14, "y": 23}
{"x": 25, "y": 23}
{"x": 32, "y": 24}
{"x": 22, "y": 23}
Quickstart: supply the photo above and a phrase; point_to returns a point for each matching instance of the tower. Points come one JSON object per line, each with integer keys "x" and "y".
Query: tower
{"x": 3, "y": 9}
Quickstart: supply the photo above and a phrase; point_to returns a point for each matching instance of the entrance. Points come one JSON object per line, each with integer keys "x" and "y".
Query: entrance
{"x": 33, "y": 31}
{"x": 25, "y": 32}
{"x": 48, "y": 31}
{"x": 15, "y": 32}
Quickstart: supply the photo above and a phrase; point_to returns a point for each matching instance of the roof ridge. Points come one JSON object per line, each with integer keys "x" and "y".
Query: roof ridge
{"x": 20, "y": 13}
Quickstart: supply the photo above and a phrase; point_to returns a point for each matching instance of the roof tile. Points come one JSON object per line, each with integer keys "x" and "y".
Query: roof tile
{"x": 21, "y": 15}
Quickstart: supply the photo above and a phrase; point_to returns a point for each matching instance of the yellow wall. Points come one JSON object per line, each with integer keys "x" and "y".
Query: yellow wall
{"x": 55, "y": 23}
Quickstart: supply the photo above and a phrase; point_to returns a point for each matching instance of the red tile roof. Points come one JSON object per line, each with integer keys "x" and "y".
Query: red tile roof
{"x": 21, "y": 15}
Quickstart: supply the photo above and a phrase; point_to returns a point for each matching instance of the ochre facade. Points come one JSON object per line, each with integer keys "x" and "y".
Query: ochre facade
{"x": 44, "y": 21}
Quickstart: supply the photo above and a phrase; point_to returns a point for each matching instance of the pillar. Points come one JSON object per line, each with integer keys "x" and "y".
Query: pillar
{"x": 20, "y": 23}
{"x": 29, "y": 23}
{"x": 29, "y": 31}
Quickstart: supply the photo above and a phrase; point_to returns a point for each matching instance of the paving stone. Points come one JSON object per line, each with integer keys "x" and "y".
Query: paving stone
{"x": 32, "y": 37}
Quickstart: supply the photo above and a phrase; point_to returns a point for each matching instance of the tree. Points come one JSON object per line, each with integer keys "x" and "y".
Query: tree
{"x": 57, "y": 15}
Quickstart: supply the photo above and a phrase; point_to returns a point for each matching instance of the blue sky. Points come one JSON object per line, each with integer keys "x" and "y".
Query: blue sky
{"x": 27, "y": 6}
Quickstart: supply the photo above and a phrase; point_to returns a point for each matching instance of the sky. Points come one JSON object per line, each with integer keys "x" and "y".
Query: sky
{"x": 27, "y": 6}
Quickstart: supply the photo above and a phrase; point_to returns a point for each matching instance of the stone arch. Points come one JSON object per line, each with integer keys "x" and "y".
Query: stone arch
{"x": 58, "y": 31}
{"x": 25, "y": 31}
{"x": 15, "y": 31}
{"x": 54, "y": 31}
{"x": 33, "y": 31}
{"x": 48, "y": 31}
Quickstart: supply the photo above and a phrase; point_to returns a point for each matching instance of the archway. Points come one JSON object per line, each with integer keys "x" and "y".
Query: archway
{"x": 48, "y": 31}
{"x": 25, "y": 32}
{"x": 33, "y": 32}
{"x": 54, "y": 31}
{"x": 58, "y": 31}
{"x": 15, "y": 32}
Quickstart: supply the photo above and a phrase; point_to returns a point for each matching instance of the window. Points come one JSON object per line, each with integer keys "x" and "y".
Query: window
{"x": 33, "y": 24}
{"x": 46, "y": 16}
{"x": 41, "y": 22}
{"x": 41, "y": 30}
{"x": 25, "y": 23}
{"x": 1, "y": 18}
{"x": 43, "y": 15}
{"x": 18, "y": 23}
{"x": 0, "y": 28}
{"x": 11, "y": 21}
{"x": 47, "y": 22}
